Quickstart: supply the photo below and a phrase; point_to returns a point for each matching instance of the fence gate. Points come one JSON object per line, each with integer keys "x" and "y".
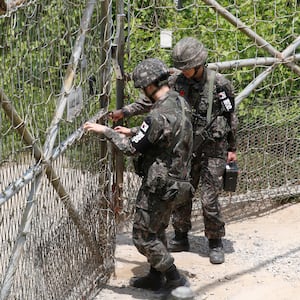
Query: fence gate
{"x": 56, "y": 216}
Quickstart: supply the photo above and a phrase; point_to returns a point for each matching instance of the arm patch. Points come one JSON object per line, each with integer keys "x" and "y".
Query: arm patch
{"x": 227, "y": 104}
{"x": 140, "y": 141}
{"x": 226, "y": 96}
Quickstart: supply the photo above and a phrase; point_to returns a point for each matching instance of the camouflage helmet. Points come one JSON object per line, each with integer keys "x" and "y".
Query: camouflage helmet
{"x": 189, "y": 53}
{"x": 150, "y": 70}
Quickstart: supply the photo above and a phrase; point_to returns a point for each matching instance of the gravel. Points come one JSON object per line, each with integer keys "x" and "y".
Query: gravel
{"x": 262, "y": 262}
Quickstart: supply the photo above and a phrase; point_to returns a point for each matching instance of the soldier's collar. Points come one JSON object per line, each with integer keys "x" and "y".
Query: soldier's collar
{"x": 198, "y": 84}
{"x": 161, "y": 99}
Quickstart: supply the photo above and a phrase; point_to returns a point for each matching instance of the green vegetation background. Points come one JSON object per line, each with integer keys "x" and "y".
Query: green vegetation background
{"x": 36, "y": 43}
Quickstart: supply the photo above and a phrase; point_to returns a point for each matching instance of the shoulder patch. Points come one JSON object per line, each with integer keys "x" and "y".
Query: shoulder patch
{"x": 225, "y": 100}
{"x": 138, "y": 137}
{"x": 144, "y": 127}
{"x": 140, "y": 141}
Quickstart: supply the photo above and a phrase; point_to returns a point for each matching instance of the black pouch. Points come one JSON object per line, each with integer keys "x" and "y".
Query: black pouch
{"x": 230, "y": 177}
{"x": 138, "y": 166}
{"x": 182, "y": 190}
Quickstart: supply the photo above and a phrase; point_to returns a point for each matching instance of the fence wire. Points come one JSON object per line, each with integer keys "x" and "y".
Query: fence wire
{"x": 264, "y": 69}
{"x": 57, "y": 219}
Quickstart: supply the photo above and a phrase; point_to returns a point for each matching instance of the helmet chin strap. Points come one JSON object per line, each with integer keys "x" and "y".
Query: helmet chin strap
{"x": 150, "y": 96}
{"x": 196, "y": 69}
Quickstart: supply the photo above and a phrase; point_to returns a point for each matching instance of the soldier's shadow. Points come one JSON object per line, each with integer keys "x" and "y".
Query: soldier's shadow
{"x": 199, "y": 244}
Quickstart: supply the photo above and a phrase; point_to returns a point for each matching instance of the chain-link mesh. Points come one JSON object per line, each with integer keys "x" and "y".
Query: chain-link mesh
{"x": 254, "y": 44}
{"x": 57, "y": 220}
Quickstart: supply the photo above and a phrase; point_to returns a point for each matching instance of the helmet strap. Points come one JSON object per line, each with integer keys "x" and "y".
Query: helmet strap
{"x": 196, "y": 69}
{"x": 150, "y": 96}
{"x": 157, "y": 86}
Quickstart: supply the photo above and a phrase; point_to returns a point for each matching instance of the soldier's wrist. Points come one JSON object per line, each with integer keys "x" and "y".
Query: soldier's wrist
{"x": 108, "y": 132}
{"x": 134, "y": 131}
{"x": 125, "y": 112}
{"x": 231, "y": 149}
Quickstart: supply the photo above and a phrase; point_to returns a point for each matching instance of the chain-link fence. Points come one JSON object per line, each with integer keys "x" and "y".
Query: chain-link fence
{"x": 62, "y": 62}
{"x": 57, "y": 219}
{"x": 254, "y": 45}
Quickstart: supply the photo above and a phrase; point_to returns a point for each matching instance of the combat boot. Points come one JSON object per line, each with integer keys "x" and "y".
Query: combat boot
{"x": 173, "y": 280}
{"x": 153, "y": 281}
{"x": 179, "y": 242}
{"x": 216, "y": 251}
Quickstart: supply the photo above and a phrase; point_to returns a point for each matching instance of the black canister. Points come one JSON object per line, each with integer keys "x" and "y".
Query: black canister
{"x": 230, "y": 177}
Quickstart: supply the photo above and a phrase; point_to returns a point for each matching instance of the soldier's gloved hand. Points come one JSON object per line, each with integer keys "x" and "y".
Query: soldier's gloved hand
{"x": 116, "y": 115}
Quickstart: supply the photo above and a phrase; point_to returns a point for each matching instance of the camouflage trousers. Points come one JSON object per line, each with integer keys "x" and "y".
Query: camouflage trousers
{"x": 153, "y": 210}
{"x": 208, "y": 173}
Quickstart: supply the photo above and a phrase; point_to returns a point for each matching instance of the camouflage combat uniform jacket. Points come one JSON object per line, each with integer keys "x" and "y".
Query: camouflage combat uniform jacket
{"x": 209, "y": 158}
{"x": 196, "y": 94}
{"x": 164, "y": 147}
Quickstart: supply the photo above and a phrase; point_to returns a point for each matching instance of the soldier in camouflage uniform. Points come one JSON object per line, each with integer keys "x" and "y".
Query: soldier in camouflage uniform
{"x": 162, "y": 148}
{"x": 211, "y": 98}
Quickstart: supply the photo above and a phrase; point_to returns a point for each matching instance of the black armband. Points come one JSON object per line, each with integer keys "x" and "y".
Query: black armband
{"x": 226, "y": 100}
{"x": 140, "y": 141}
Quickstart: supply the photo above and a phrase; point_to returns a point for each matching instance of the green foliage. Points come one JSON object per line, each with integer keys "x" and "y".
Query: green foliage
{"x": 277, "y": 22}
{"x": 34, "y": 50}
{"x": 37, "y": 40}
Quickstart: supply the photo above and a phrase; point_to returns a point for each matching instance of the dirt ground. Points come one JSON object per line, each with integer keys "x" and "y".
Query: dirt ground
{"x": 262, "y": 262}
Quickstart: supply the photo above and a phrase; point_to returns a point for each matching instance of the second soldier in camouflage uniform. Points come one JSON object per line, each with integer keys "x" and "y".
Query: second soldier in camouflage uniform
{"x": 198, "y": 85}
{"x": 163, "y": 151}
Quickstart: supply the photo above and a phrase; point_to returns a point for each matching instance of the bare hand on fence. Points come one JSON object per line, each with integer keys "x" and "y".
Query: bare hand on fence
{"x": 123, "y": 130}
{"x": 88, "y": 126}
